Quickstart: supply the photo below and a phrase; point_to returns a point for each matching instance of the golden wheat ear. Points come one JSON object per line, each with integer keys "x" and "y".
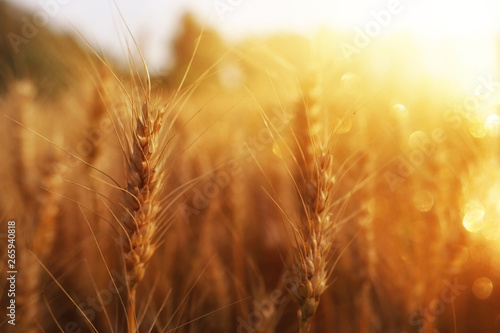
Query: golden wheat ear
{"x": 141, "y": 202}
{"x": 315, "y": 229}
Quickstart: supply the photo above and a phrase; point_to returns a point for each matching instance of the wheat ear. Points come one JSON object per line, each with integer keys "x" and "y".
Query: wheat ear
{"x": 140, "y": 221}
{"x": 46, "y": 216}
{"x": 315, "y": 181}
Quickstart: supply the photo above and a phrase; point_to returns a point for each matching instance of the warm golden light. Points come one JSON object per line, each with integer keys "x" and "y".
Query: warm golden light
{"x": 301, "y": 157}
{"x": 456, "y": 40}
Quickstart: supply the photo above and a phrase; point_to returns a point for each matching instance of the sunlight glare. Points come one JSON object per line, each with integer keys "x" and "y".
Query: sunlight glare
{"x": 451, "y": 34}
{"x": 492, "y": 125}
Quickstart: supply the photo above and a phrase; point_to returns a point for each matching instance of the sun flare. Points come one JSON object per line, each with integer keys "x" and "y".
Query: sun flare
{"x": 455, "y": 38}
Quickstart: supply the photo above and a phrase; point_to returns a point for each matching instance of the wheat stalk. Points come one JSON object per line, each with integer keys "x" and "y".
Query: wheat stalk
{"x": 140, "y": 221}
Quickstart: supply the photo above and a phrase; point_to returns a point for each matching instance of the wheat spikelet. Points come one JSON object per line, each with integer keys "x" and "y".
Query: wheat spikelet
{"x": 144, "y": 175}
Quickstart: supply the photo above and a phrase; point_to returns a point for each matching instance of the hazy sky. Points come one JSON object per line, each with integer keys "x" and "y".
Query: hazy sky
{"x": 155, "y": 22}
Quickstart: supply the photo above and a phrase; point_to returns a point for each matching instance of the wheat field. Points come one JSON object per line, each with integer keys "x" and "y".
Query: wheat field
{"x": 266, "y": 185}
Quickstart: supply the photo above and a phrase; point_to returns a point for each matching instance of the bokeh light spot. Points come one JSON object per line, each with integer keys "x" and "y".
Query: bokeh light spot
{"x": 423, "y": 200}
{"x": 482, "y": 288}
{"x": 492, "y": 125}
{"x": 400, "y": 111}
{"x": 477, "y": 130}
{"x": 474, "y": 213}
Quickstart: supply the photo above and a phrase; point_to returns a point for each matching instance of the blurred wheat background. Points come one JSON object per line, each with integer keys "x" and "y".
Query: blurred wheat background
{"x": 337, "y": 181}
